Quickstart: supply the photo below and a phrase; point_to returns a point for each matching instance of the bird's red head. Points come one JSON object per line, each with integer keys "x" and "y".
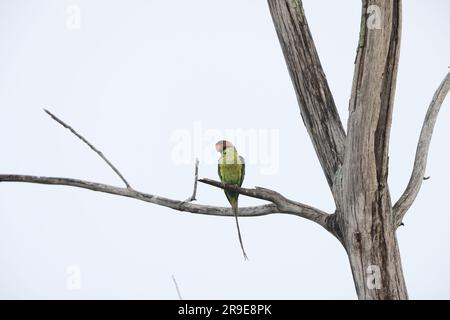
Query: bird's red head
{"x": 222, "y": 145}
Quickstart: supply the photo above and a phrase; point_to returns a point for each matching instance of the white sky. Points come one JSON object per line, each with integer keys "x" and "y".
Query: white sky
{"x": 137, "y": 73}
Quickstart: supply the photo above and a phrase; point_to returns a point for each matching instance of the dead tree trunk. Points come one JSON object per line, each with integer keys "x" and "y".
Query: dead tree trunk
{"x": 355, "y": 162}
{"x": 369, "y": 228}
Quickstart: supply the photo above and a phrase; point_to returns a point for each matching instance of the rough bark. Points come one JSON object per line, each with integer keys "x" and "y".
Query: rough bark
{"x": 356, "y": 165}
{"x": 317, "y": 107}
{"x": 368, "y": 231}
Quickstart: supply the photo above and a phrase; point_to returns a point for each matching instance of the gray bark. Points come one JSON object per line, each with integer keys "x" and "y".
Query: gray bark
{"x": 369, "y": 229}
{"x": 356, "y": 164}
{"x": 420, "y": 163}
{"x": 315, "y": 100}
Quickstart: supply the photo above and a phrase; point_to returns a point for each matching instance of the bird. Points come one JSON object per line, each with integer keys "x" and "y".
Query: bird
{"x": 231, "y": 168}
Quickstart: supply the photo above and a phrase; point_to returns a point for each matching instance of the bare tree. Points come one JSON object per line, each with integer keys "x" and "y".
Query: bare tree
{"x": 355, "y": 162}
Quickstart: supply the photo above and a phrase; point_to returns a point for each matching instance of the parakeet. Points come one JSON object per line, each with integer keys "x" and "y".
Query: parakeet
{"x": 231, "y": 171}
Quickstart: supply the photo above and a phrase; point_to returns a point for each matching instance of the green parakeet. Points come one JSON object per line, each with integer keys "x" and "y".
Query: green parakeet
{"x": 231, "y": 171}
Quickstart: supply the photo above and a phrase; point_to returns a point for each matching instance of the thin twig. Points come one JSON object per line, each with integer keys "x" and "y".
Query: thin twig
{"x": 194, "y": 192}
{"x": 177, "y": 287}
{"x": 79, "y": 136}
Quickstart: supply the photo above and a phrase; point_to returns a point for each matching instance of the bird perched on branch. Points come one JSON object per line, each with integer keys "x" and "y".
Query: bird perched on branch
{"x": 231, "y": 171}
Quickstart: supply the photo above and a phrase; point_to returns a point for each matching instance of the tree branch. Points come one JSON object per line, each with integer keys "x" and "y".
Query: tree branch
{"x": 314, "y": 97}
{"x": 370, "y": 116}
{"x": 177, "y": 287}
{"x": 373, "y": 89}
{"x": 194, "y": 191}
{"x": 283, "y": 204}
{"x": 134, "y": 194}
{"x": 420, "y": 162}
{"x": 280, "y": 204}
{"x": 79, "y": 136}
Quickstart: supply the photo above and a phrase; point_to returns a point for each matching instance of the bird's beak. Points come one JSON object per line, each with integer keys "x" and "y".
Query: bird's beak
{"x": 219, "y": 147}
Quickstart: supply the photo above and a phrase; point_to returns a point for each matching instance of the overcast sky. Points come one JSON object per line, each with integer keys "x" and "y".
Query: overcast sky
{"x": 153, "y": 84}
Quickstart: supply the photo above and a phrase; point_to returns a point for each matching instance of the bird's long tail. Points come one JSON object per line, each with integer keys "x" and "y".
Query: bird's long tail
{"x": 235, "y": 209}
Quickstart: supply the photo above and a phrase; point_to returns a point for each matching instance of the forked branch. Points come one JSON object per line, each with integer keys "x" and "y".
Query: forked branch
{"x": 79, "y": 136}
{"x": 134, "y": 194}
{"x": 278, "y": 204}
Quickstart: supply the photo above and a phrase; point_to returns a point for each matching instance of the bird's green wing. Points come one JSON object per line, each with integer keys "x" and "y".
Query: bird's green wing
{"x": 242, "y": 170}
{"x": 220, "y": 172}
